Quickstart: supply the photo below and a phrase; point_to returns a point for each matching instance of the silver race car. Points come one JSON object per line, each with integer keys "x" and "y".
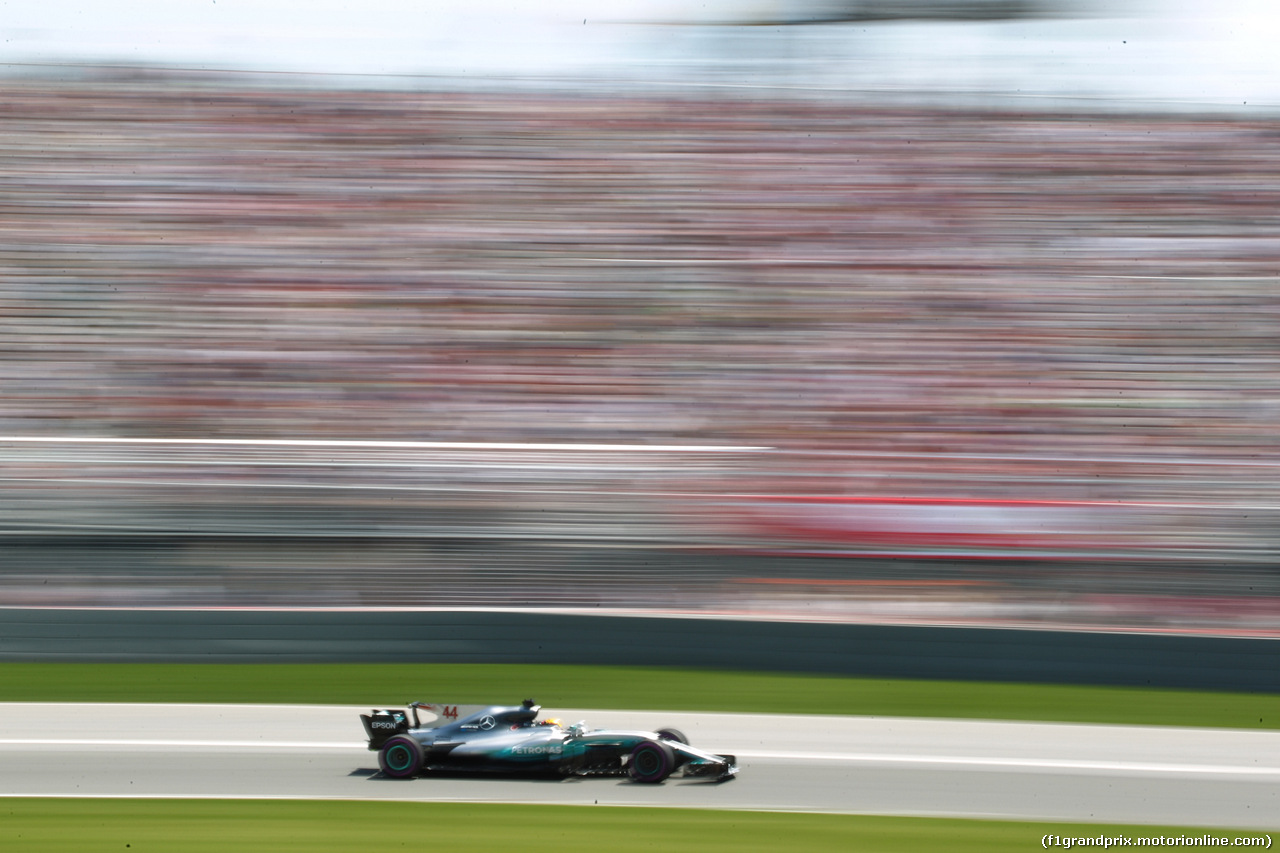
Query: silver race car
{"x": 511, "y": 739}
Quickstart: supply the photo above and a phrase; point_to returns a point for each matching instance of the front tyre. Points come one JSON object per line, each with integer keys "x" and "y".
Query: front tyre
{"x": 401, "y": 757}
{"x": 672, "y": 734}
{"x": 651, "y": 762}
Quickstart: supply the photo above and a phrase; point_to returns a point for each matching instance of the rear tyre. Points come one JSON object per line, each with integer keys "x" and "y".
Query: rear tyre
{"x": 651, "y": 762}
{"x": 401, "y": 757}
{"x": 672, "y": 734}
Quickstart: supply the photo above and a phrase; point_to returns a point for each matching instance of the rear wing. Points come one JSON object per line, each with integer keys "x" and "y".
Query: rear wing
{"x": 379, "y": 725}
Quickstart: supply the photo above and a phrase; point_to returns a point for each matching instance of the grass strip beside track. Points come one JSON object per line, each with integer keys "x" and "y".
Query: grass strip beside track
{"x": 204, "y": 826}
{"x": 555, "y": 686}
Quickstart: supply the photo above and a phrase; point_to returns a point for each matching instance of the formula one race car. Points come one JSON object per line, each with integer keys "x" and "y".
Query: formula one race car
{"x": 503, "y": 739}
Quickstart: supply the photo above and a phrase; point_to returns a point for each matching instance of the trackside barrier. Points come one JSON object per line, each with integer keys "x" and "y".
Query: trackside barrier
{"x": 506, "y": 636}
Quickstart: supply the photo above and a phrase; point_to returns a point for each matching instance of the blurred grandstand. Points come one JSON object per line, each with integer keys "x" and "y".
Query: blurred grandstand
{"x": 784, "y": 357}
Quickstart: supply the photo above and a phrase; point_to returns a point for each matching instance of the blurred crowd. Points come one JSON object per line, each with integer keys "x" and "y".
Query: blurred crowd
{"x": 189, "y": 260}
{"x": 962, "y": 302}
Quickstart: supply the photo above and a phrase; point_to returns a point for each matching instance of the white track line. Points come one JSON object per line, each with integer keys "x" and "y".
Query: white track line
{"x": 417, "y": 445}
{"x": 141, "y": 742}
{"x": 1018, "y": 763}
{"x": 850, "y": 757}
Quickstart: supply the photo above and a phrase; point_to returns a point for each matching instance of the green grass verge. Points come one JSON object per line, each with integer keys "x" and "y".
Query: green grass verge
{"x": 206, "y": 826}
{"x": 379, "y": 685}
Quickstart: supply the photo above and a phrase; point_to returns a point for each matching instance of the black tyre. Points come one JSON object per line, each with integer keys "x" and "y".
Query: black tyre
{"x": 651, "y": 762}
{"x": 401, "y": 757}
{"x": 672, "y": 734}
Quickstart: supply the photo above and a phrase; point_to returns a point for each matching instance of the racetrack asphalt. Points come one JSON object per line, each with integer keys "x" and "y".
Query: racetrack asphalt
{"x": 877, "y": 765}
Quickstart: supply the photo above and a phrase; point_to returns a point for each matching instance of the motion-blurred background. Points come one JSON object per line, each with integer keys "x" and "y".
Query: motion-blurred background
{"x": 946, "y": 312}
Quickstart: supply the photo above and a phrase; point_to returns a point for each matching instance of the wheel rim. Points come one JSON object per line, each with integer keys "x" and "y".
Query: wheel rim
{"x": 399, "y": 757}
{"x": 647, "y": 762}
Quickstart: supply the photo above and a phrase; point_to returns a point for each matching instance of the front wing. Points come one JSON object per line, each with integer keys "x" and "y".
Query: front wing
{"x": 696, "y": 762}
